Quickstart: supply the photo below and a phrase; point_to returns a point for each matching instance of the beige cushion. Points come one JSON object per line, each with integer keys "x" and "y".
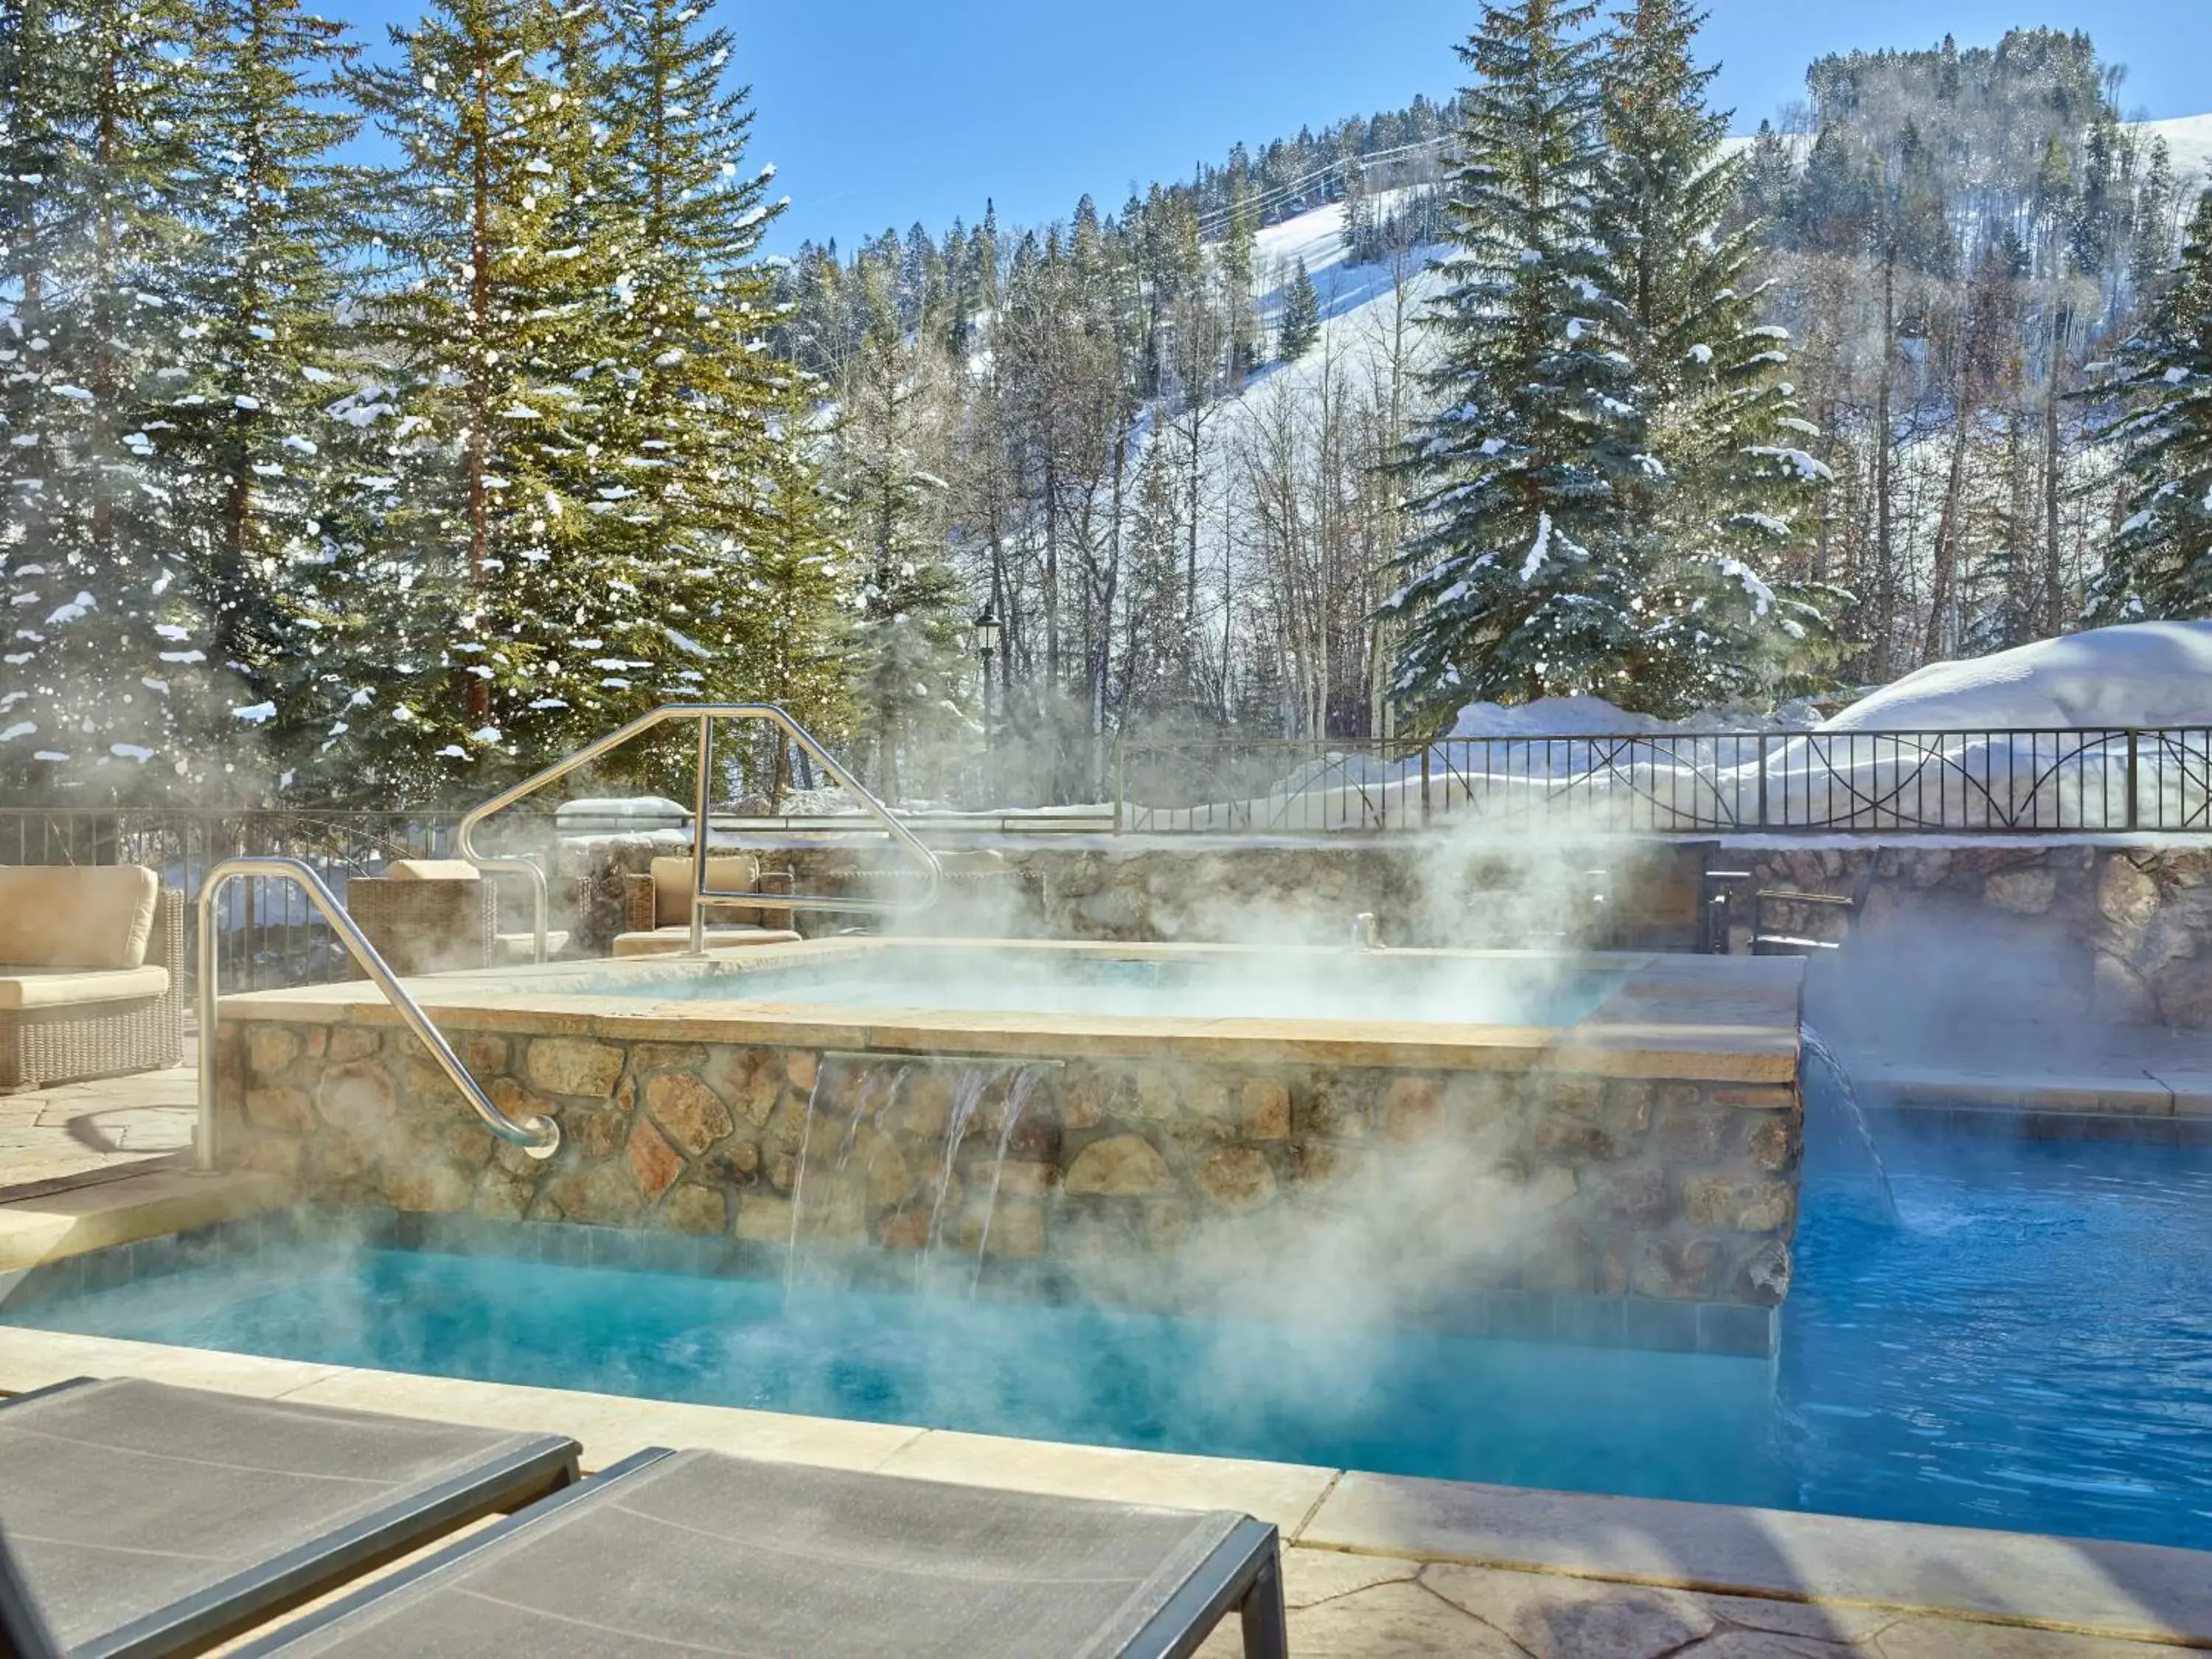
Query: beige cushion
{"x": 76, "y": 917}
{"x": 662, "y": 940}
{"x": 671, "y": 885}
{"x": 523, "y": 947}
{"x": 61, "y": 987}
{"x": 432, "y": 870}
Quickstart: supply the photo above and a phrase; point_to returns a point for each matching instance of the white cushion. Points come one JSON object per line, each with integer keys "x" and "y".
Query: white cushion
{"x": 671, "y": 885}
{"x": 77, "y": 917}
{"x": 662, "y": 940}
{"x": 523, "y": 947}
{"x": 61, "y": 987}
{"x": 432, "y": 870}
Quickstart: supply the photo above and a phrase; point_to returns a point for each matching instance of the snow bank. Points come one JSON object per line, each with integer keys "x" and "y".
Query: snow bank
{"x": 2142, "y": 674}
{"x": 1914, "y": 755}
{"x": 1552, "y": 717}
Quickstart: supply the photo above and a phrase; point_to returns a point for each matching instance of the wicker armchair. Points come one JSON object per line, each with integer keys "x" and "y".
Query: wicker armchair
{"x": 657, "y": 907}
{"x": 97, "y": 1035}
{"x": 434, "y": 916}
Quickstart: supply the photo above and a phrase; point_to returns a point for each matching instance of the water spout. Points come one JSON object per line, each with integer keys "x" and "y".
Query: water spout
{"x": 798, "y": 1177}
{"x": 1017, "y": 1096}
{"x": 1823, "y": 1061}
{"x": 1366, "y": 932}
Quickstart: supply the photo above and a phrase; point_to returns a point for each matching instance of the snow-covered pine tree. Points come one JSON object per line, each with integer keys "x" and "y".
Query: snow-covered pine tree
{"x": 1519, "y": 579}
{"x": 795, "y": 592}
{"x": 1714, "y": 507}
{"x": 1238, "y": 251}
{"x": 906, "y": 662}
{"x": 2160, "y": 562}
{"x": 505, "y": 276}
{"x": 270, "y": 350}
{"x": 724, "y": 515}
{"x": 106, "y": 677}
{"x": 1300, "y": 324}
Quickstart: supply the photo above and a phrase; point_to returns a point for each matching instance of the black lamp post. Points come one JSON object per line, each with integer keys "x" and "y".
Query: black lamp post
{"x": 987, "y": 645}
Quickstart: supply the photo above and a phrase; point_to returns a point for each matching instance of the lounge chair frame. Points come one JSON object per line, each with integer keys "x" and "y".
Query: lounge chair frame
{"x": 1243, "y": 1572}
{"x": 311, "y": 1568}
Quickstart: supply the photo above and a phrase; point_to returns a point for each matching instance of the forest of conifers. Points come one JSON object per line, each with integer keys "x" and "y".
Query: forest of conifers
{"x": 382, "y": 481}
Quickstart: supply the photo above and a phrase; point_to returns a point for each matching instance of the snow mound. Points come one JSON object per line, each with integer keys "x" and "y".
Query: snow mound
{"x": 1552, "y": 717}
{"x": 2142, "y": 674}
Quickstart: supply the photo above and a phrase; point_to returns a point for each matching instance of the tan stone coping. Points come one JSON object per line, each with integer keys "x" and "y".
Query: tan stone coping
{"x": 97, "y": 1217}
{"x": 2132, "y": 1591}
{"x": 1731, "y": 1019}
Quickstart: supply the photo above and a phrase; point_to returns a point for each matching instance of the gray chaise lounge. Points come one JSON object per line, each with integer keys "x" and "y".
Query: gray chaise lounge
{"x": 145, "y": 1519}
{"x": 699, "y": 1553}
{"x": 667, "y": 1552}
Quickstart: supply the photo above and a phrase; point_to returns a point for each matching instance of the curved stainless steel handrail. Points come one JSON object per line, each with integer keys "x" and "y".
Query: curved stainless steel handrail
{"x": 707, "y": 715}
{"x": 539, "y": 1136}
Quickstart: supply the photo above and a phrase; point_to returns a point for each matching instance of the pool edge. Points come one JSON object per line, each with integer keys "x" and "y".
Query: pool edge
{"x": 2136, "y": 1592}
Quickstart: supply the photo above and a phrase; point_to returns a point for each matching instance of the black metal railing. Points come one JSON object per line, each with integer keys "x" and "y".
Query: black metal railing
{"x": 2022, "y": 782}
{"x": 270, "y": 934}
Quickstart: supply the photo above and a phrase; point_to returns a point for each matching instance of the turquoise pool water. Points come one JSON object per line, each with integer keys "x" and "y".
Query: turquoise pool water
{"x": 2031, "y": 1349}
{"x": 1291, "y": 986}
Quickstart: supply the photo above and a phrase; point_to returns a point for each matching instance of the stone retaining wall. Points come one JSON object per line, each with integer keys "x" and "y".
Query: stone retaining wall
{"x": 1657, "y": 1208}
{"x": 1147, "y": 890}
{"x": 2019, "y": 931}
{"x": 2119, "y": 933}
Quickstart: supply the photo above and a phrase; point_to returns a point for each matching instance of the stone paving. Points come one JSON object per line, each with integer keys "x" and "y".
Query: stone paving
{"x": 1367, "y": 1607}
{"x": 73, "y": 1131}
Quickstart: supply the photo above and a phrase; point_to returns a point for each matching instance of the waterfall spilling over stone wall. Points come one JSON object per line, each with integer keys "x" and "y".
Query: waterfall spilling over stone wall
{"x": 1548, "y": 1203}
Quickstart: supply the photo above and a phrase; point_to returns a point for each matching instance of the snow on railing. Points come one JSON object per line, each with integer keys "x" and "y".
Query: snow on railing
{"x": 2013, "y": 782}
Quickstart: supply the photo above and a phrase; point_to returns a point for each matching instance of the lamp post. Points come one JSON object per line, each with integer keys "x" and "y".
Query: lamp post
{"x": 986, "y": 647}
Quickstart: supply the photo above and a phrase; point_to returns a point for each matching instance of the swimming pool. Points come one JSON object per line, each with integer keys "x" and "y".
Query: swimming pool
{"x": 2031, "y": 1349}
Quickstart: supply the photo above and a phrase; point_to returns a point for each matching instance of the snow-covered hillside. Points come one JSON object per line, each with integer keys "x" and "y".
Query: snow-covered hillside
{"x": 2189, "y": 142}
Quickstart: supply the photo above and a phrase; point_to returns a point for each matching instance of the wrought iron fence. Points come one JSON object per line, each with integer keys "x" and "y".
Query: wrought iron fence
{"x": 270, "y": 934}
{"x": 2023, "y": 783}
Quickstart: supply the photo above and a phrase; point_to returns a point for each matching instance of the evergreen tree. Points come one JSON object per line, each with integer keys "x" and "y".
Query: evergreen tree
{"x": 1519, "y": 582}
{"x": 510, "y": 270}
{"x": 109, "y": 678}
{"x": 907, "y": 662}
{"x": 1300, "y": 326}
{"x": 705, "y": 413}
{"x": 796, "y": 583}
{"x": 2160, "y": 562}
{"x": 1712, "y": 507}
{"x": 271, "y": 347}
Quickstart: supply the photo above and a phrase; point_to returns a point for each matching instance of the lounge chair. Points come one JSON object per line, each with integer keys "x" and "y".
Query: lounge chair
{"x": 699, "y": 1553}
{"x": 146, "y": 1519}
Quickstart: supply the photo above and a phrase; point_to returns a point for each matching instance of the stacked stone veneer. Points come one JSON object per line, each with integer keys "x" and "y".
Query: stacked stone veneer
{"x": 1149, "y": 1182}
{"x": 2020, "y": 931}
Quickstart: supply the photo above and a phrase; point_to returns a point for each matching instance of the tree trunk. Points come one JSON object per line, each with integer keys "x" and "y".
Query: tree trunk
{"x": 1885, "y": 560}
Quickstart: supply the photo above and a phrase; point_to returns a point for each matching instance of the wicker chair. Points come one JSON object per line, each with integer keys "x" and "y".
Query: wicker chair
{"x": 93, "y": 1034}
{"x": 657, "y": 907}
{"x": 434, "y": 916}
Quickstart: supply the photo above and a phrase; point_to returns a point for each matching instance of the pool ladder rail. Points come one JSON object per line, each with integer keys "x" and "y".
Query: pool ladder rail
{"x": 708, "y": 715}
{"x": 539, "y": 1136}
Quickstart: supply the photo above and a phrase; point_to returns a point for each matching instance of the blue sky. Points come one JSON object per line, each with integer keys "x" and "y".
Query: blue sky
{"x": 880, "y": 112}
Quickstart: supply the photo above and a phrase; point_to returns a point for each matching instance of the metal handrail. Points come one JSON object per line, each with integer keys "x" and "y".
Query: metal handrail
{"x": 707, "y": 715}
{"x": 539, "y": 1136}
